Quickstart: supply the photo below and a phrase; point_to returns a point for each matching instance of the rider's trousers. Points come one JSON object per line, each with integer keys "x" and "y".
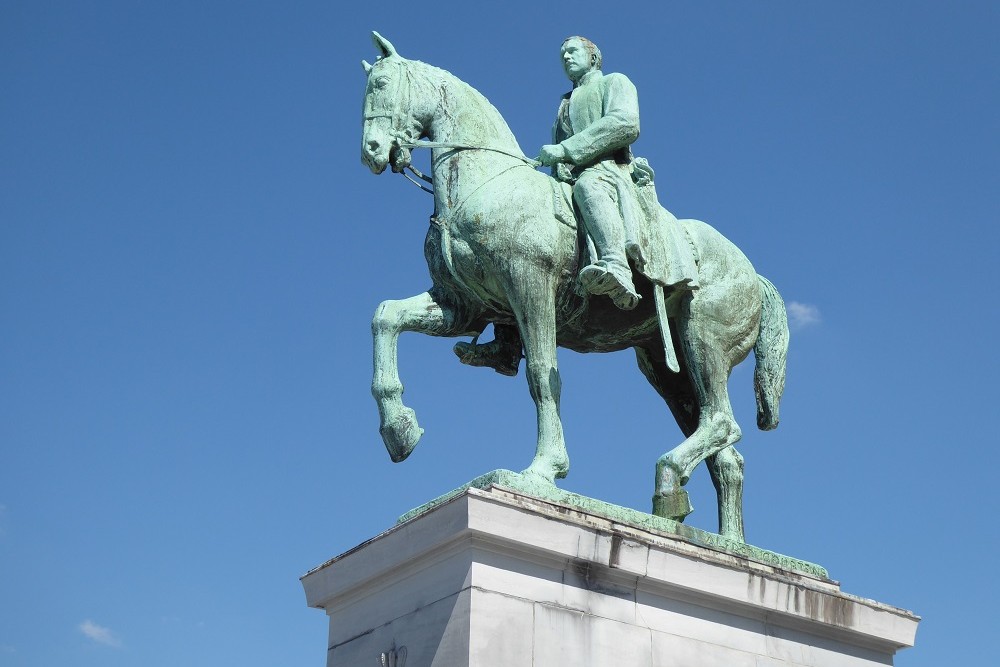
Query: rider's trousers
{"x": 596, "y": 195}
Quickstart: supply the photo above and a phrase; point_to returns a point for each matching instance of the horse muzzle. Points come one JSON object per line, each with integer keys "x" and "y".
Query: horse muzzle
{"x": 375, "y": 156}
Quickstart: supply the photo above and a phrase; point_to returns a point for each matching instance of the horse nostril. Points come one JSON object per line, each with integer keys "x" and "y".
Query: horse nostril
{"x": 372, "y": 146}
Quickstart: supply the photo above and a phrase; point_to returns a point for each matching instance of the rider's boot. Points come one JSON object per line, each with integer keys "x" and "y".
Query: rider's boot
{"x": 613, "y": 279}
{"x": 503, "y": 354}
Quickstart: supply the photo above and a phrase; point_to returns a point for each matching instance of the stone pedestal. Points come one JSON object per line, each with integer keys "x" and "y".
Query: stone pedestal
{"x": 497, "y": 578}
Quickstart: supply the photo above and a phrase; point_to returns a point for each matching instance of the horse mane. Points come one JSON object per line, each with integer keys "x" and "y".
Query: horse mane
{"x": 434, "y": 81}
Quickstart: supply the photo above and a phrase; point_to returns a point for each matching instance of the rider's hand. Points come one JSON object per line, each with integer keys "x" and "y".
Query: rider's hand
{"x": 552, "y": 154}
{"x": 564, "y": 173}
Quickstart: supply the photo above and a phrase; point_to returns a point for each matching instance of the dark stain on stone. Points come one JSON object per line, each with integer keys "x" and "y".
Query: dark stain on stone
{"x": 616, "y": 548}
{"x": 593, "y": 577}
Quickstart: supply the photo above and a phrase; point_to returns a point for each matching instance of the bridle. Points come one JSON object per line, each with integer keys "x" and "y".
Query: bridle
{"x": 402, "y": 136}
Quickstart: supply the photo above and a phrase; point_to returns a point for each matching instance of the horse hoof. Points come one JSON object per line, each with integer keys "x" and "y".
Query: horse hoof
{"x": 735, "y": 536}
{"x": 545, "y": 473}
{"x": 672, "y": 505}
{"x": 401, "y": 435}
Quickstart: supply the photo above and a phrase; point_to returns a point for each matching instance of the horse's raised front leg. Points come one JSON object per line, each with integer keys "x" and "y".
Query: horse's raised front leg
{"x": 420, "y": 313}
{"x": 533, "y": 303}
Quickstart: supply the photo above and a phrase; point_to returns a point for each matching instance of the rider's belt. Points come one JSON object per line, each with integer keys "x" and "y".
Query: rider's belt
{"x": 620, "y": 156}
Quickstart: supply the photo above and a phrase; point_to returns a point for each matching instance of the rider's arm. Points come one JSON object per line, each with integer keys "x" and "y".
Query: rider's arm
{"x": 617, "y": 127}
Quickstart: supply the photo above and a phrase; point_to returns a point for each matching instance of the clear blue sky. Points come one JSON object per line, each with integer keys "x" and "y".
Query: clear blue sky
{"x": 191, "y": 252}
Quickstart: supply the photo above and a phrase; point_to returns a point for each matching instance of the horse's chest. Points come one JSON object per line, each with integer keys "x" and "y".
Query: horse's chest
{"x": 456, "y": 260}
{"x": 465, "y": 260}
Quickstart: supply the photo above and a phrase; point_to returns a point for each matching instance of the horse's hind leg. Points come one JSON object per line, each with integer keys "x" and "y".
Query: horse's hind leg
{"x": 726, "y": 469}
{"x": 677, "y": 392}
{"x": 717, "y": 429}
{"x": 420, "y": 313}
{"x": 674, "y": 388}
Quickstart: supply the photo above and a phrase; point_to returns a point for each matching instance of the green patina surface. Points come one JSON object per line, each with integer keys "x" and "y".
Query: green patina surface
{"x": 625, "y": 515}
{"x": 504, "y": 249}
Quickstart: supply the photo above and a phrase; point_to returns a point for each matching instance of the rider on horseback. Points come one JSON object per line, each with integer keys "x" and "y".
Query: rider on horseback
{"x": 596, "y": 123}
{"x": 595, "y": 126}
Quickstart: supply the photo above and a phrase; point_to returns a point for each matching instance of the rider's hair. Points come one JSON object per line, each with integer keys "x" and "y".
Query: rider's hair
{"x": 595, "y": 53}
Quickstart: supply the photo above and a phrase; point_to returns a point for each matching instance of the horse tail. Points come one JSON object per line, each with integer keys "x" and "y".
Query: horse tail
{"x": 771, "y": 352}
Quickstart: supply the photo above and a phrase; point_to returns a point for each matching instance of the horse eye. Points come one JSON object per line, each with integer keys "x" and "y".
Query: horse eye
{"x": 381, "y": 82}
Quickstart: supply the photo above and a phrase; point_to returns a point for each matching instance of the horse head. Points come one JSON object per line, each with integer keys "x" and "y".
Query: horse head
{"x": 393, "y": 116}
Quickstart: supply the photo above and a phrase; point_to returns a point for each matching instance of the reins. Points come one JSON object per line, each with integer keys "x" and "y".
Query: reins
{"x": 409, "y": 145}
{"x": 467, "y": 147}
{"x": 419, "y": 175}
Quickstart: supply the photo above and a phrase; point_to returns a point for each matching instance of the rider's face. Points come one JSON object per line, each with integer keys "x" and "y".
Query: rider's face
{"x": 576, "y": 59}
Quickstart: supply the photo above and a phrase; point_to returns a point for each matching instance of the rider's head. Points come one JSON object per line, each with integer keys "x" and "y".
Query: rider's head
{"x": 579, "y": 56}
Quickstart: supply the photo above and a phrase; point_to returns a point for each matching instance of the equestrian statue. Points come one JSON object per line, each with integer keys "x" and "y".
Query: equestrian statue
{"x": 584, "y": 258}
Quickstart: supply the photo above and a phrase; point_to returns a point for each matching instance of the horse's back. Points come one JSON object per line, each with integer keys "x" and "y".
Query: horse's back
{"x": 727, "y": 304}
{"x": 721, "y": 264}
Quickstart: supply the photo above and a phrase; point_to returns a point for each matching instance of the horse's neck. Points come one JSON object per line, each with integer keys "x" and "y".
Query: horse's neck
{"x": 465, "y": 117}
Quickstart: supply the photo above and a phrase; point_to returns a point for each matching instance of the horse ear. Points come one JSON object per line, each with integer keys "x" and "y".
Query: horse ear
{"x": 384, "y": 46}
{"x": 368, "y": 68}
